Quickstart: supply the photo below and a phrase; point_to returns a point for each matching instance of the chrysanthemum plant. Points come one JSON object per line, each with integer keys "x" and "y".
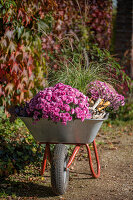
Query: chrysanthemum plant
{"x": 99, "y": 89}
{"x": 60, "y": 103}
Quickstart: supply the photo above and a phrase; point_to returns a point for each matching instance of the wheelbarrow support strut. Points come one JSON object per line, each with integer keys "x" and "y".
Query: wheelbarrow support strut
{"x": 47, "y": 153}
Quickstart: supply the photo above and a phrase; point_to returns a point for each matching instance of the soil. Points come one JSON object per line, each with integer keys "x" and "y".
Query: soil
{"x": 115, "y": 150}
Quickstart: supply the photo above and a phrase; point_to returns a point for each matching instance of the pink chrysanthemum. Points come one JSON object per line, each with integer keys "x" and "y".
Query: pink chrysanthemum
{"x": 103, "y": 90}
{"x": 59, "y": 103}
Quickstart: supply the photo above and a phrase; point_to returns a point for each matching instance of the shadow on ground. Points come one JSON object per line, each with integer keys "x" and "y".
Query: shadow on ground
{"x": 29, "y": 189}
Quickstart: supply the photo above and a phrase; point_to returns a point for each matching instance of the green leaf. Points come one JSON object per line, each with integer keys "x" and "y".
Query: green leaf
{"x": 42, "y": 26}
{"x": 20, "y": 31}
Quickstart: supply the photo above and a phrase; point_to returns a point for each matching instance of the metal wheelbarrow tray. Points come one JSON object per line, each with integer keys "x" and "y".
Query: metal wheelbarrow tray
{"x": 75, "y": 132}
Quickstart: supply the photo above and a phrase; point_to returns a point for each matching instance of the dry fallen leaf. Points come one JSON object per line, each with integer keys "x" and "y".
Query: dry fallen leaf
{"x": 109, "y": 125}
{"x": 113, "y": 148}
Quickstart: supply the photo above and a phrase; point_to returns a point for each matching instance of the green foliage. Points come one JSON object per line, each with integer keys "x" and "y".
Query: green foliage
{"x": 80, "y": 61}
{"x": 5, "y": 6}
{"x": 125, "y": 113}
{"x": 18, "y": 148}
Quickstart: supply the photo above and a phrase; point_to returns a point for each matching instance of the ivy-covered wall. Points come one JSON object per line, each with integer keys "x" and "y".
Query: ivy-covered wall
{"x": 28, "y": 33}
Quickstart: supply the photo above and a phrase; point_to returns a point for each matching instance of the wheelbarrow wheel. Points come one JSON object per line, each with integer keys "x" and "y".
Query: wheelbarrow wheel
{"x": 59, "y": 174}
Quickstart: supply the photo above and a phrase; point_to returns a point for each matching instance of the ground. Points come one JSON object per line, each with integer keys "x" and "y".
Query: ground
{"x": 115, "y": 150}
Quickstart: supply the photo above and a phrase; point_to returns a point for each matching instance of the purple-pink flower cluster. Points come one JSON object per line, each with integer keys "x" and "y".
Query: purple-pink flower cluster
{"x": 105, "y": 91}
{"x": 59, "y": 103}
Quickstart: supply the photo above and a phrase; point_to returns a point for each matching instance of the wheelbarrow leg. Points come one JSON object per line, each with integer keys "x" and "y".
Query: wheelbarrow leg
{"x": 73, "y": 155}
{"x": 46, "y": 154}
{"x": 90, "y": 160}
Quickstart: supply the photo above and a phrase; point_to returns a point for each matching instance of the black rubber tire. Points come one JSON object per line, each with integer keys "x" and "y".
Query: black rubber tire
{"x": 59, "y": 174}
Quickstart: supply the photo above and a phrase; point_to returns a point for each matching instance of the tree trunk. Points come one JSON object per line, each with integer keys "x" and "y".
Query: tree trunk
{"x": 124, "y": 32}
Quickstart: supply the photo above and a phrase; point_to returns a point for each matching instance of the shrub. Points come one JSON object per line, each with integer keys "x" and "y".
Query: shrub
{"x": 18, "y": 148}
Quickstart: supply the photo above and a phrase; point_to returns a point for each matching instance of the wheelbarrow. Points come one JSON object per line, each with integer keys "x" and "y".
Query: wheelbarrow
{"x": 74, "y": 133}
